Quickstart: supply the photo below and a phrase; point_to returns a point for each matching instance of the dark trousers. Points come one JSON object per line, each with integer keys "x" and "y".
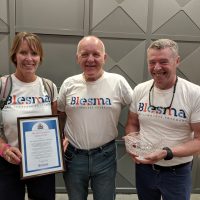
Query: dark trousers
{"x": 12, "y": 188}
{"x": 172, "y": 183}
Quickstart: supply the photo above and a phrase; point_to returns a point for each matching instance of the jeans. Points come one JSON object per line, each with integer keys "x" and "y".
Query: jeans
{"x": 12, "y": 188}
{"x": 96, "y": 166}
{"x": 170, "y": 183}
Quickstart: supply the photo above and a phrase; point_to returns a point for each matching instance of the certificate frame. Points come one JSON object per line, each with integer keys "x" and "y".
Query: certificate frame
{"x": 40, "y": 142}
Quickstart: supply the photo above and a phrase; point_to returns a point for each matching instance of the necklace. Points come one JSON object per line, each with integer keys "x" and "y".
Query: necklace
{"x": 168, "y": 107}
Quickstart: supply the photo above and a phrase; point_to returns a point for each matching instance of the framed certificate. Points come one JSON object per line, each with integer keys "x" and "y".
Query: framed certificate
{"x": 40, "y": 143}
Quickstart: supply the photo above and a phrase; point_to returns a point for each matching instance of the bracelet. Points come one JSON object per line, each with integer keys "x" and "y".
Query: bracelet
{"x": 4, "y": 145}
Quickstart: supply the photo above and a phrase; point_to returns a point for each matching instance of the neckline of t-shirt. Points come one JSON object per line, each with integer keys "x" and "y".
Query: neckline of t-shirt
{"x": 21, "y": 83}
{"x": 166, "y": 91}
{"x": 94, "y": 82}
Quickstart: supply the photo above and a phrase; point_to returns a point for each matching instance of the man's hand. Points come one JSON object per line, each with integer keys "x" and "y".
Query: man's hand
{"x": 152, "y": 157}
{"x": 65, "y": 143}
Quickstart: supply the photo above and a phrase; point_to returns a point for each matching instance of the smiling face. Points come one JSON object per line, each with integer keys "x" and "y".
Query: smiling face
{"x": 26, "y": 54}
{"x": 91, "y": 57}
{"x": 162, "y": 65}
{"x": 27, "y": 61}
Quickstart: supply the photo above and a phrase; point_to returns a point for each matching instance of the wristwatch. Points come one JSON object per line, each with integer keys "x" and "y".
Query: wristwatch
{"x": 169, "y": 155}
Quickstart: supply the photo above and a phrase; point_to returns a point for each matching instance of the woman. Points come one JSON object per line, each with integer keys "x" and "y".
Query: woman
{"x": 27, "y": 88}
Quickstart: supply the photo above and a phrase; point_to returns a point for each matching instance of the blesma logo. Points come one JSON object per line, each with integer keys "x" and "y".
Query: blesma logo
{"x": 90, "y": 101}
{"x": 144, "y": 107}
{"x": 12, "y": 100}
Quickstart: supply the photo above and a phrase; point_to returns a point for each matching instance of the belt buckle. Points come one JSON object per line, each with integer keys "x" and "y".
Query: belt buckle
{"x": 154, "y": 168}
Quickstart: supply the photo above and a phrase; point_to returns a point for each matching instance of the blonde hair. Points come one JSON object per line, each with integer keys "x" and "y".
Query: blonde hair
{"x": 33, "y": 41}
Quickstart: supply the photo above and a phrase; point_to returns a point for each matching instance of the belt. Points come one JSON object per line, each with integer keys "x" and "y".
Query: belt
{"x": 70, "y": 146}
{"x": 159, "y": 167}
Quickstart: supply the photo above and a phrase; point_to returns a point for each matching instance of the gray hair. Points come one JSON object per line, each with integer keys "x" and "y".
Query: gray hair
{"x": 165, "y": 43}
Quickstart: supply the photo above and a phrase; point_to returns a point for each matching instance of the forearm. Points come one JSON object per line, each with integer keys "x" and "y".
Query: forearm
{"x": 132, "y": 124}
{"x": 131, "y": 128}
{"x": 187, "y": 149}
{"x": 191, "y": 147}
{"x": 62, "y": 119}
{"x": 54, "y": 107}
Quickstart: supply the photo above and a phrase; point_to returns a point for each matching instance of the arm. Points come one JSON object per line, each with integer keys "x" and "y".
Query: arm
{"x": 191, "y": 147}
{"x": 54, "y": 107}
{"x": 186, "y": 149}
{"x": 62, "y": 118}
{"x": 132, "y": 124}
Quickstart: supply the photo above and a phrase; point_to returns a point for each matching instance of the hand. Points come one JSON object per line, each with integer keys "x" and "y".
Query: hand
{"x": 133, "y": 157}
{"x": 65, "y": 143}
{"x": 151, "y": 158}
{"x": 12, "y": 155}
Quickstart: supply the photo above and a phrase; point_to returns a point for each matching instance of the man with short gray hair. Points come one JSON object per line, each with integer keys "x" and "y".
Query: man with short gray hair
{"x": 165, "y": 107}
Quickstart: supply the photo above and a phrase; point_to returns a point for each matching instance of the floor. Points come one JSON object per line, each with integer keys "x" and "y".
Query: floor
{"x": 119, "y": 197}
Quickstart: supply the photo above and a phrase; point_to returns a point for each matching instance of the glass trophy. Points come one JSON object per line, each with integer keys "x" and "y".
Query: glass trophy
{"x": 137, "y": 144}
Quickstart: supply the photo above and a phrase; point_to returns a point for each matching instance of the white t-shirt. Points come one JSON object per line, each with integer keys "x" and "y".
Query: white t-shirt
{"x": 93, "y": 108}
{"x": 26, "y": 99}
{"x": 173, "y": 125}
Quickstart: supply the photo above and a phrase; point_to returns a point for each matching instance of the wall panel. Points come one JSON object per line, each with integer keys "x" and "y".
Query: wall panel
{"x": 127, "y": 27}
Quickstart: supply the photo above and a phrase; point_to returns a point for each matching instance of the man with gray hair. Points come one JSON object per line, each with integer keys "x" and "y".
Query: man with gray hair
{"x": 165, "y": 107}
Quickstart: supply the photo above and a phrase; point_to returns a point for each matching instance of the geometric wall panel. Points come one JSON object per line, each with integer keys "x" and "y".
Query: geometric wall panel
{"x": 59, "y": 58}
{"x": 109, "y": 63}
{"x": 50, "y": 15}
{"x": 3, "y": 16}
{"x": 4, "y": 10}
{"x": 117, "y": 49}
{"x": 187, "y": 48}
{"x": 183, "y": 2}
{"x": 3, "y": 26}
{"x": 124, "y": 24}
{"x": 163, "y": 11}
{"x": 4, "y": 54}
{"x": 130, "y": 20}
{"x": 118, "y": 70}
{"x": 126, "y": 168}
{"x": 100, "y": 9}
{"x": 196, "y": 172}
{"x": 133, "y": 63}
{"x": 133, "y": 9}
{"x": 175, "y": 26}
{"x": 191, "y": 71}
{"x": 192, "y": 9}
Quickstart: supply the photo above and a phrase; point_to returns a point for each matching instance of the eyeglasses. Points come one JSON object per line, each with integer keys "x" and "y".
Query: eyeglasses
{"x": 174, "y": 90}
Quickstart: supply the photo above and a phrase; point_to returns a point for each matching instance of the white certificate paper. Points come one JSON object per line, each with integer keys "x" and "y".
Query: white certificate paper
{"x": 41, "y": 146}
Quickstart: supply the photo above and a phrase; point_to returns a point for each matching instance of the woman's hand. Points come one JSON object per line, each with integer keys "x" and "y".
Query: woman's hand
{"x": 12, "y": 155}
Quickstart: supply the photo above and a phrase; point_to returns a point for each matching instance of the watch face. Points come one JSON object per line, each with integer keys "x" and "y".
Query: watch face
{"x": 169, "y": 155}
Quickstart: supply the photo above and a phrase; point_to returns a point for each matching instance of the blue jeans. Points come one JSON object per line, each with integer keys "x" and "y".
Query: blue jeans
{"x": 170, "y": 183}
{"x": 97, "y": 166}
